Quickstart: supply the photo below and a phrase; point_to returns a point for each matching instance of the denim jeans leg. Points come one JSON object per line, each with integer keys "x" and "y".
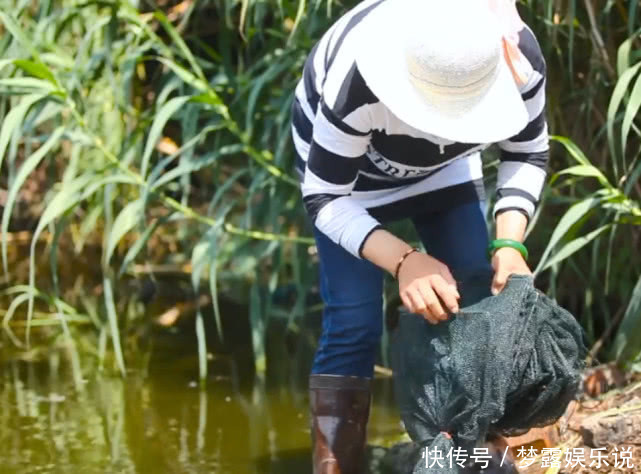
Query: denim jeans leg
{"x": 352, "y": 292}
{"x": 458, "y": 237}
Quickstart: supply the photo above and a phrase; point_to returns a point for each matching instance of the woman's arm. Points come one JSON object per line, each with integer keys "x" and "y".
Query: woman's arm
{"x": 335, "y": 156}
{"x": 506, "y": 261}
{"x": 524, "y": 157}
{"x": 423, "y": 281}
{"x": 522, "y": 170}
{"x": 341, "y": 134}
{"x": 328, "y": 182}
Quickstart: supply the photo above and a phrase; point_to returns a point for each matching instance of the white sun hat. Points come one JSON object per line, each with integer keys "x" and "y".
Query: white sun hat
{"x": 439, "y": 66}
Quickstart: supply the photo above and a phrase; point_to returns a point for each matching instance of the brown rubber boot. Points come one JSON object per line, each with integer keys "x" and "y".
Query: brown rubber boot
{"x": 339, "y": 410}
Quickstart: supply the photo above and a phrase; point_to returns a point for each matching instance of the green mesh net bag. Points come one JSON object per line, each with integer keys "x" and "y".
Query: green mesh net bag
{"x": 503, "y": 365}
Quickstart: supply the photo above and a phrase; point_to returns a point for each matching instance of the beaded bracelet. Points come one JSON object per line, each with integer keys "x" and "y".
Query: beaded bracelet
{"x": 402, "y": 259}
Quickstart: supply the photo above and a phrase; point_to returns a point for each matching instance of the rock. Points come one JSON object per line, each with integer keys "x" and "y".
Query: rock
{"x": 624, "y": 427}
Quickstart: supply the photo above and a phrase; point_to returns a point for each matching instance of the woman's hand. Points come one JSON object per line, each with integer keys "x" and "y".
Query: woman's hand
{"x": 507, "y": 261}
{"x": 422, "y": 280}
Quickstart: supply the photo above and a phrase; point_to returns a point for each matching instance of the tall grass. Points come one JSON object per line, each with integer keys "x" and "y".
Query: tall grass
{"x": 140, "y": 134}
{"x": 167, "y": 117}
{"x": 591, "y": 253}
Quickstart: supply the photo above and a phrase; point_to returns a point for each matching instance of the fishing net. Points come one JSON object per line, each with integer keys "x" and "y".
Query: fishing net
{"x": 504, "y": 364}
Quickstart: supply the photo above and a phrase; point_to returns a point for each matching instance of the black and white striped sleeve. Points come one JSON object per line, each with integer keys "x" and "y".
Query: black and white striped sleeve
{"x": 341, "y": 135}
{"x": 524, "y": 157}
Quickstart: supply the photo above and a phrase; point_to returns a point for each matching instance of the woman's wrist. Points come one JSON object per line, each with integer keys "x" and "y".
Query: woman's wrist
{"x": 402, "y": 260}
{"x": 501, "y": 244}
{"x": 385, "y": 250}
{"x": 511, "y": 225}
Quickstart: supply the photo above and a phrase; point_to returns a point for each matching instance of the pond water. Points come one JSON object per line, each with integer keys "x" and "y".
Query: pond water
{"x": 157, "y": 419}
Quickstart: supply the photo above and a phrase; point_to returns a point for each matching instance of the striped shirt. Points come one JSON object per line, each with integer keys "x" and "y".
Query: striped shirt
{"x": 359, "y": 165}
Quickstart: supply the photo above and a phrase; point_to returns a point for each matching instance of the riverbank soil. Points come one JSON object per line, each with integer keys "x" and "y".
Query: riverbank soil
{"x": 596, "y": 435}
{"x": 599, "y": 433}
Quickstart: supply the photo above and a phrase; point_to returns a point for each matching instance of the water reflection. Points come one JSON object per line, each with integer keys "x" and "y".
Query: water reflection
{"x": 157, "y": 420}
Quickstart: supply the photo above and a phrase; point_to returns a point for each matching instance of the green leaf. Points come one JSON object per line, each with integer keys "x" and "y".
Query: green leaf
{"x": 16, "y": 301}
{"x": 36, "y": 69}
{"x": 244, "y": 4}
{"x": 98, "y": 182}
{"x": 194, "y": 165}
{"x": 623, "y": 56}
{"x": 213, "y": 289}
{"x": 576, "y": 212}
{"x": 54, "y": 252}
{"x": 202, "y": 347}
{"x": 126, "y": 220}
{"x": 209, "y": 99}
{"x": 25, "y": 170}
{"x": 102, "y": 347}
{"x": 208, "y": 95}
{"x": 177, "y": 40}
{"x": 67, "y": 197}
{"x": 28, "y": 83}
{"x": 257, "y": 329}
{"x": 214, "y": 234}
{"x": 5, "y": 62}
{"x": 14, "y": 28}
{"x": 628, "y": 337}
{"x": 112, "y": 316}
{"x": 633, "y": 6}
{"x": 59, "y": 59}
{"x": 14, "y": 120}
{"x": 583, "y": 171}
{"x": 631, "y": 111}
{"x": 63, "y": 200}
{"x": 573, "y": 246}
{"x": 572, "y": 24}
{"x": 198, "y": 262}
{"x": 135, "y": 249}
{"x": 165, "y": 113}
{"x": 615, "y": 101}
{"x": 185, "y": 75}
{"x": 577, "y": 154}
{"x": 224, "y": 187}
{"x": 186, "y": 148}
{"x": 299, "y": 15}
{"x": 258, "y": 84}
{"x": 632, "y": 178}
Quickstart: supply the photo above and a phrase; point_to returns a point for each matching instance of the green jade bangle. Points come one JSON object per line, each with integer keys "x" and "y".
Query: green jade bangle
{"x": 500, "y": 243}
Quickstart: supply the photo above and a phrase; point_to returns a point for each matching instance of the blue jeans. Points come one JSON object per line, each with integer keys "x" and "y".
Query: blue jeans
{"x": 352, "y": 289}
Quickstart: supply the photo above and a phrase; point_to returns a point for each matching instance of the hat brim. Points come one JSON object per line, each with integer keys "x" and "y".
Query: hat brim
{"x": 498, "y": 114}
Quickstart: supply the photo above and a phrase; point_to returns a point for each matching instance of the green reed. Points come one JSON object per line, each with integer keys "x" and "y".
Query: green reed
{"x": 156, "y": 118}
